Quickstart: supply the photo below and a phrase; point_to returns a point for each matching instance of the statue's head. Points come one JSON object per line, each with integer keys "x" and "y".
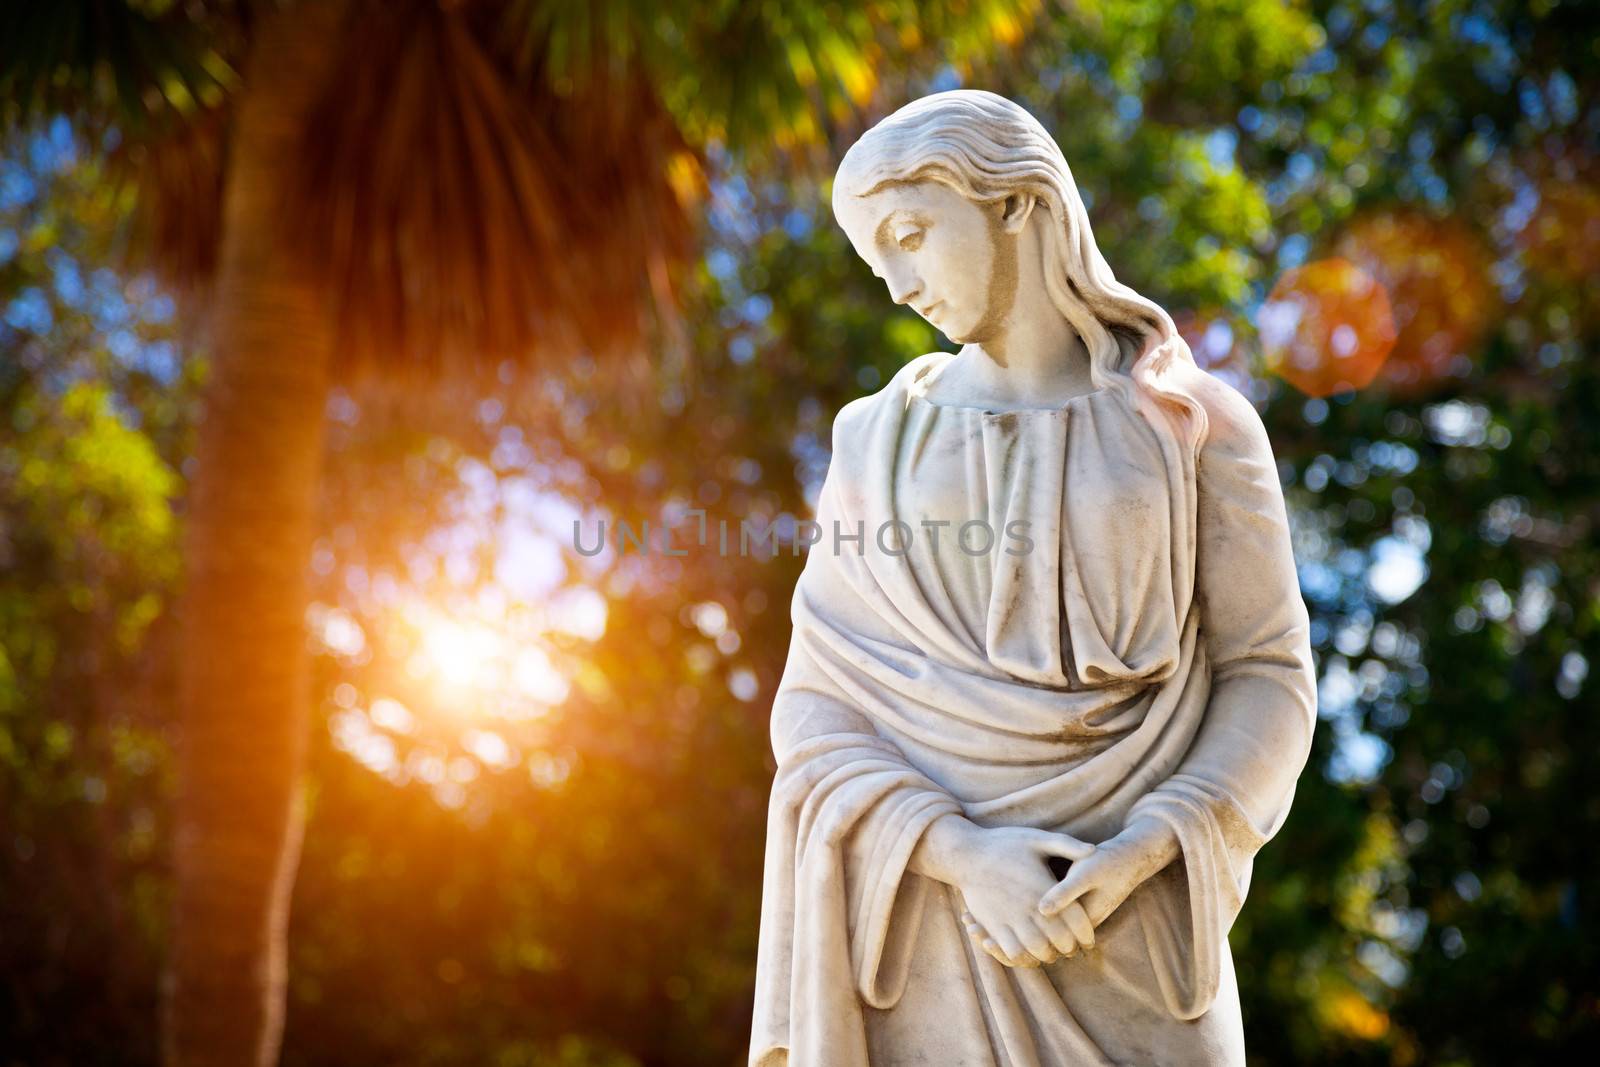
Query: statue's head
{"x": 936, "y": 197}
{"x": 951, "y": 257}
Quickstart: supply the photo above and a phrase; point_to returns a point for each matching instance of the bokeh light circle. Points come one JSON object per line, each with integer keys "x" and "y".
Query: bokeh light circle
{"x": 1327, "y": 327}
{"x": 1561, "y": 241}
{"x": 1436, "y": 273}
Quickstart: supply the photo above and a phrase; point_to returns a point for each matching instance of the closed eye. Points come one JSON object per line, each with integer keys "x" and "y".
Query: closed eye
{"x": 911, "y": 241}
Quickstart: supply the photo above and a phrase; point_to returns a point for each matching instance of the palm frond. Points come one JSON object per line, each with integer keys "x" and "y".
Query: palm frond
{"x": 149, "y": 82}
{"x": 756, "y": 77}
{"x": 459, "y": 213}
{"x": 113, "y": 62}
{"x": 480, "y": 179}
{"x": 175, "y": 176}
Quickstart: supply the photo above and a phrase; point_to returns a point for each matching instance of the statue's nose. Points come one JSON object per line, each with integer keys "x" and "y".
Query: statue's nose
{"x": 904, "y": 291}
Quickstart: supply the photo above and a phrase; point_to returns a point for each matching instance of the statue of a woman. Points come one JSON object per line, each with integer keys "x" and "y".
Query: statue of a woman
{"x": 1052, "y": 625}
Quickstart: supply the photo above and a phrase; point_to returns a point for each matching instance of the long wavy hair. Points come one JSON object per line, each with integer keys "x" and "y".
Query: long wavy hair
{"x": 988, "y": 148}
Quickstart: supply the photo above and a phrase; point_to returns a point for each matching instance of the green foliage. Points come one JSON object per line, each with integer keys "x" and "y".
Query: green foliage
{"x": 141, "y": 65}
{"x": 94, "y": 400}
{"x": 752, "y": 75}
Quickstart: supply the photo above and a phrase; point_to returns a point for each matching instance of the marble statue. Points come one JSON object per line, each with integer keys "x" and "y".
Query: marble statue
{"x": 1050, "y": 683}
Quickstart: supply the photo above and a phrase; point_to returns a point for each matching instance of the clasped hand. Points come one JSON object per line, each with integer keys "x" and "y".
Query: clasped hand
{"x": 1016, "y": 909}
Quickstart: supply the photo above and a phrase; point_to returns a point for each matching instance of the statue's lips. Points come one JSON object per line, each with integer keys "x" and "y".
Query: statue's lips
{"x": 927, "y": 312}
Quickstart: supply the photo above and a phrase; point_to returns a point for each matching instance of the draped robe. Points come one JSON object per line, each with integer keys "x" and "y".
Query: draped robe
{"x": 1144, "y": 654}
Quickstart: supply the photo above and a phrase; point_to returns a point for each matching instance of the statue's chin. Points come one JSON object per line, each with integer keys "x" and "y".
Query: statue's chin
{"x": 976, "y": 334}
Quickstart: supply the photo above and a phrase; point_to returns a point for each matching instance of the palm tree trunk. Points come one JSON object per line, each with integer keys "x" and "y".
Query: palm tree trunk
{"x": 243, "y": 663}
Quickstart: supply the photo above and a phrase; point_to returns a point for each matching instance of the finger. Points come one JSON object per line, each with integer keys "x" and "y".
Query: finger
{"x": 1064, "y": 892}
{"x": 1078, "y": 921}
{"x": 1067, "y": 847}
{"x": 1038, "y": 945}
{"x": 1064, "y": 845}
{"x": 992, "y": 947}
{"x": 1015, "y": 956}
{"x": 1059, "y": 933}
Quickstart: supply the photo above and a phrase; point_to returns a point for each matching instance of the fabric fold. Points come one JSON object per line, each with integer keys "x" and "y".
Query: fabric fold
{"x": 1186, "y": 930}
{"x": 846, "y": 811}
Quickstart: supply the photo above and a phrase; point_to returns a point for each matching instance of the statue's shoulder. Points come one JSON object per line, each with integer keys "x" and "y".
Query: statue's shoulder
{"x": 1234, "y": 429}
{"x": 856, "y": 419}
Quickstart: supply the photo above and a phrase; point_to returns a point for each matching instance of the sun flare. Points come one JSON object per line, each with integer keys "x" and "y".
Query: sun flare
{"x": 457, "y": 654}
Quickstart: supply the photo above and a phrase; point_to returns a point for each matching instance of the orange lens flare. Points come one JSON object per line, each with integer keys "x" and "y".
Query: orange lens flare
{"x": 1327, "y": 327}
{"x": 1436, "y": 274}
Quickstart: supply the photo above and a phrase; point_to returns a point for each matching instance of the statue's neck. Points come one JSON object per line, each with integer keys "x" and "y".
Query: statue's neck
{"x": 1039, "y": 361}
{"x": 1031, "y": 355}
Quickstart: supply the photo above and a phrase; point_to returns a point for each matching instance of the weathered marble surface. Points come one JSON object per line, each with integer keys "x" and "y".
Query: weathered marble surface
{"x": 1121, "y": 680}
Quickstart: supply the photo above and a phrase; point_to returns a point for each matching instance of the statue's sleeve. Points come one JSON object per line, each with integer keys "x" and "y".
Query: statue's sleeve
{"x": 840, "y": 910}
{"x": 1232, "y": 790}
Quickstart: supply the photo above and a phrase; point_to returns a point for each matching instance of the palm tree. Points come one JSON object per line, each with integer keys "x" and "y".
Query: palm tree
{"x": 409, "y": 190}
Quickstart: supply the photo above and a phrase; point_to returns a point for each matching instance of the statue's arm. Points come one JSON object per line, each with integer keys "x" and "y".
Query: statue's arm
{"x": 1256, "y": 734}
{"x": 1233, "y": 786}
{"x": 801, "y": 712}
{"x": 806, "y": 707}
{"x": 1231, "y": 790}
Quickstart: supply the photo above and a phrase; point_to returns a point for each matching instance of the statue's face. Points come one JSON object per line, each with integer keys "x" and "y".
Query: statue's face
{"x": 937, "y": 251}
